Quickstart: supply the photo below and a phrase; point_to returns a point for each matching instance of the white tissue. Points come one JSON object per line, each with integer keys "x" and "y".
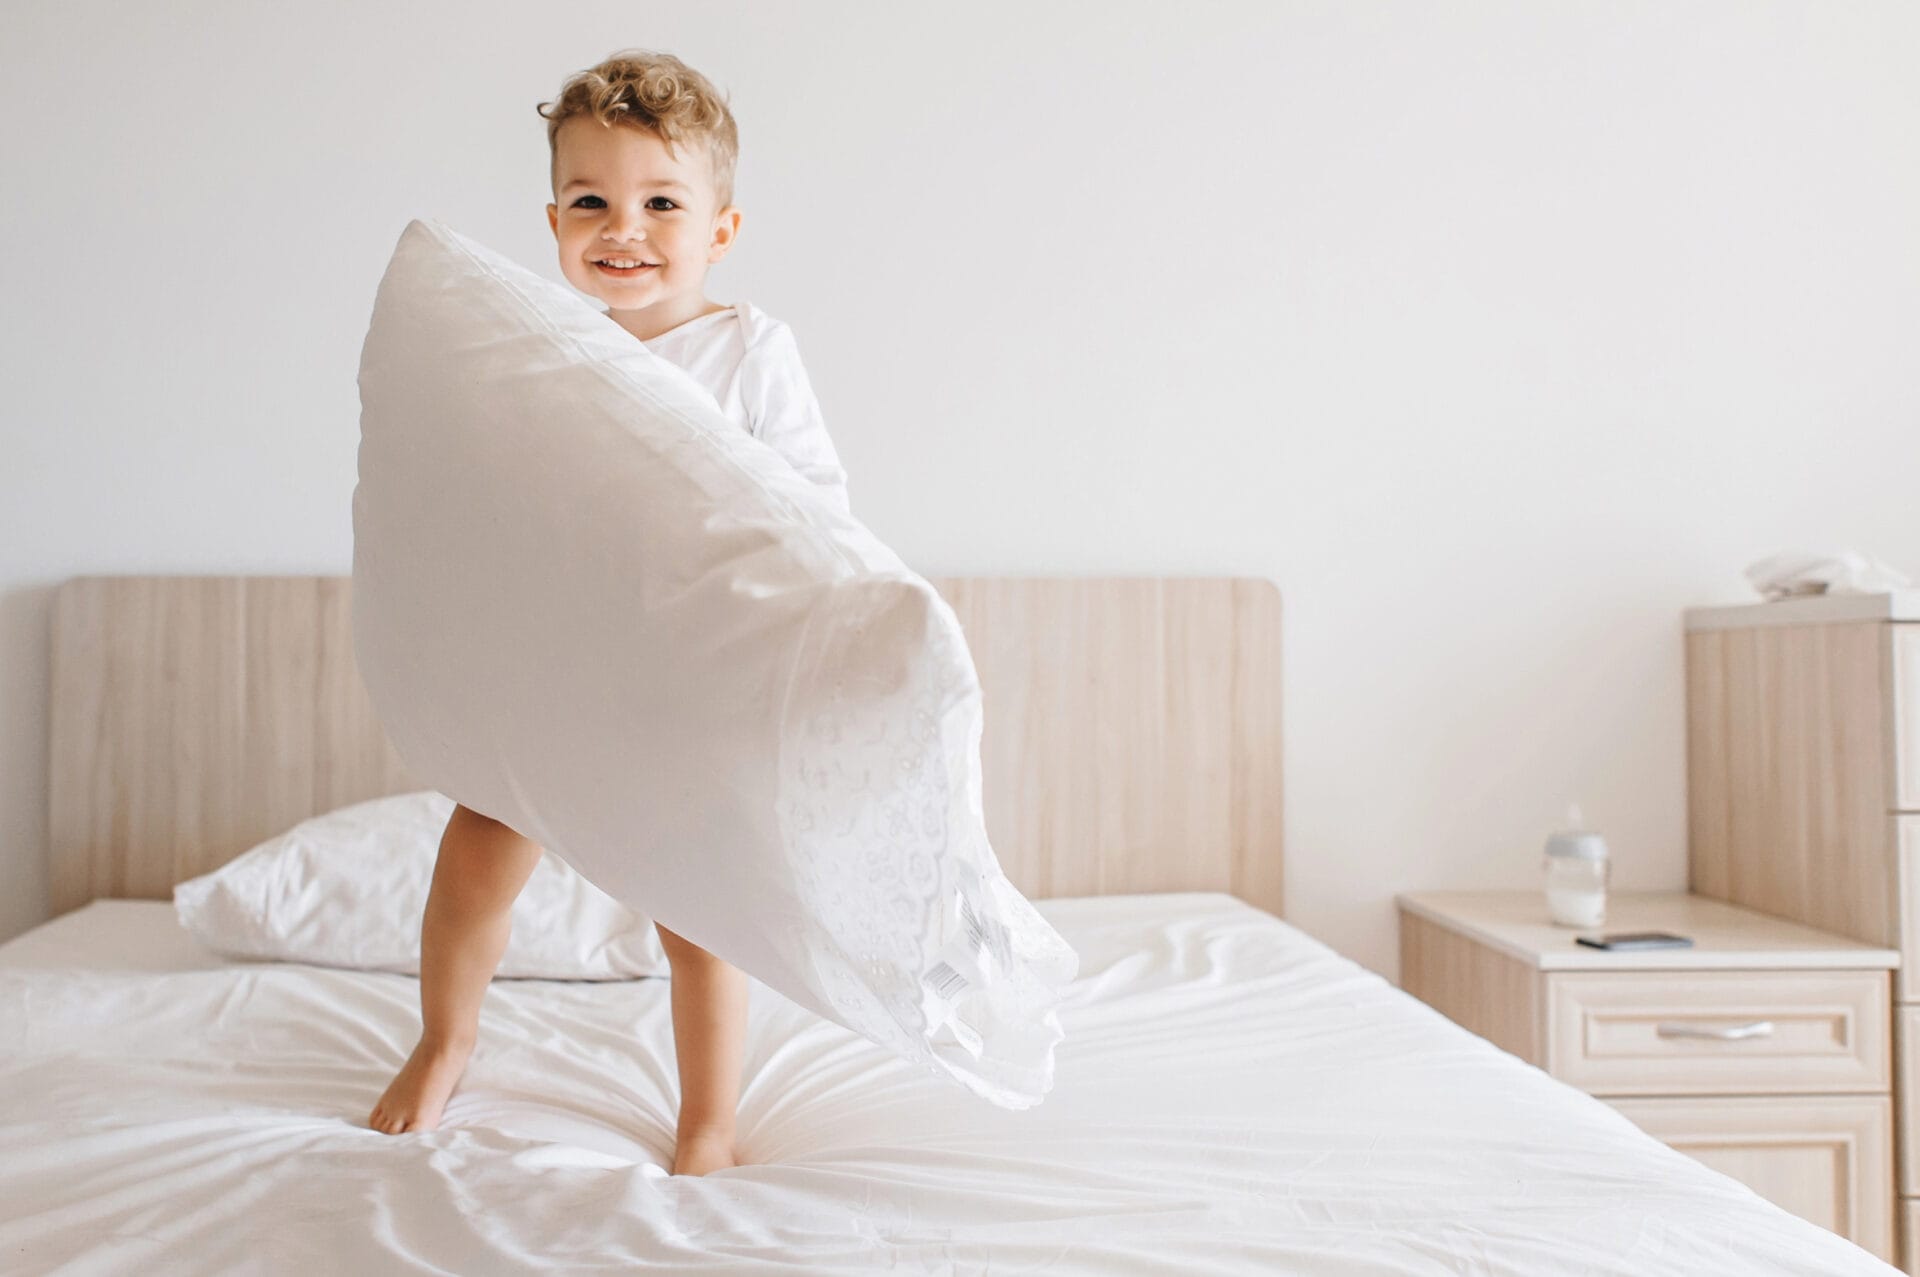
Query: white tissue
{"x": 1794, "y": 573}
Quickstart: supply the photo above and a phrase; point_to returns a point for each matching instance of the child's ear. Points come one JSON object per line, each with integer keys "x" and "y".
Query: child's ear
{"x": 553, "y": 219}
{"x": 726, "y": 225}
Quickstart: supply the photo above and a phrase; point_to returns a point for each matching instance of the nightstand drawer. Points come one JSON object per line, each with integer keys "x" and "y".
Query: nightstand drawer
{"x": 1719, "y": 1032}
{"x": 1825, "y": 1158}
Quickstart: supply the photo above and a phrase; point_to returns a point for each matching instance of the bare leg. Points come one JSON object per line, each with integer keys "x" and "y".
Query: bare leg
{"x": 709, "y": 1037}
{"x": 480, "y": 870}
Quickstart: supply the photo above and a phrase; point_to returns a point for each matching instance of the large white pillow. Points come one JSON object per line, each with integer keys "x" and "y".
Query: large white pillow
{"x": 346, "y": 889}
{"x": 589, "y": 606}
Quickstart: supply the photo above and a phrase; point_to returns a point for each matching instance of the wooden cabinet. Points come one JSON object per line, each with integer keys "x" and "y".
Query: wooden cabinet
{"x": 1765, "y": 1050}
{"x": 1803, "y": 791}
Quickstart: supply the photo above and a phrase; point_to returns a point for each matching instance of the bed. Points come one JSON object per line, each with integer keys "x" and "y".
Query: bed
{"x": 1231, "y": 1096}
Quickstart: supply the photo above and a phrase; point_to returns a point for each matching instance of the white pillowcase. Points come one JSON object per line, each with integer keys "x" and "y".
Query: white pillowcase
{"x": 347, "y": 888}
{"x": 589, "y": 606}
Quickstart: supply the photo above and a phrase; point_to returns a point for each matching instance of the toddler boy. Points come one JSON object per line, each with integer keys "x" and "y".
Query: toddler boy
{"x": 643, "y": 151}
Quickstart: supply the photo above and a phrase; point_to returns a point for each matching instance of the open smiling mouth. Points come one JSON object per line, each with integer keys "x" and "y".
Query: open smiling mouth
{"x": 622, "y": 272}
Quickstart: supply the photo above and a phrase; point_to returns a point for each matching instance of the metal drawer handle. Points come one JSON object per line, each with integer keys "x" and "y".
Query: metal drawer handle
{"x": 1732, "y": 1033}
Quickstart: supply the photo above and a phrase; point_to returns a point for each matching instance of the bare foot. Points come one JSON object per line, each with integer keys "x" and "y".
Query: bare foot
{"x": 697, "y": 1152}
{"x": 419, "y": 1092}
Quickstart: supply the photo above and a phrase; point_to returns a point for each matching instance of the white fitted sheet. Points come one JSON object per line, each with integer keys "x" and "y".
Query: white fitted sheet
{"x": 1231, "y": 1097}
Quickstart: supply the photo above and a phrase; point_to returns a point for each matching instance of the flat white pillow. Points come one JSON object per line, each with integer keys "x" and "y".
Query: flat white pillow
{"x": 347, "y": 888}
{"x": 589, "y": 606}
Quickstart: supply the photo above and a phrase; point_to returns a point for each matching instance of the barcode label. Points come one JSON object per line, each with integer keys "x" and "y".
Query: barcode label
{"x": 944, "y": 980}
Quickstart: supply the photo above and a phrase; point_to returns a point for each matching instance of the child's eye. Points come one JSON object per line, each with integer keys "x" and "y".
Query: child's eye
{"x": 656, "y": 199}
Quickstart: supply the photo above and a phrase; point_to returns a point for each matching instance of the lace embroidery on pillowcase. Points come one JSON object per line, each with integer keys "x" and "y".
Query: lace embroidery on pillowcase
{"x": 908, "y": 919}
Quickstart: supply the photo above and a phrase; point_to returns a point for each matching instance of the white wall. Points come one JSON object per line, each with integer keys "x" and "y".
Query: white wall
{"x": 1495, "y": 333}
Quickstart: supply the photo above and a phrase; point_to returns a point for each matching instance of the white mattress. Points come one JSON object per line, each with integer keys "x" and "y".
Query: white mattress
{"x": 1231, "y": 1097}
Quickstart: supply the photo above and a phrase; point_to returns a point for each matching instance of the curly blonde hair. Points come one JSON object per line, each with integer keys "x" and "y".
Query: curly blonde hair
{"x": 640, "y": 88}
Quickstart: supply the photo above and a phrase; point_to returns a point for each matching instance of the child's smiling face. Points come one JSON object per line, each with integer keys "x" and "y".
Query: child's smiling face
{"x": 622, "y": 196}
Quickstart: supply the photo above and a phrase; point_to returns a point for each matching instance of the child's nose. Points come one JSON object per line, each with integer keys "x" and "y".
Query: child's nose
{"x": 625, "y": 229}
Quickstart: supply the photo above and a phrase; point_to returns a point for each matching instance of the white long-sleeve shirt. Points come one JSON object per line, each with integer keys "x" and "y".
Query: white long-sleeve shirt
{"x": 749, "y": 362}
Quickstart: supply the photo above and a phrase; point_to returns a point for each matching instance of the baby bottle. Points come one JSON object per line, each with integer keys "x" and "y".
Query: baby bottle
{"x": 1576, "y": 872}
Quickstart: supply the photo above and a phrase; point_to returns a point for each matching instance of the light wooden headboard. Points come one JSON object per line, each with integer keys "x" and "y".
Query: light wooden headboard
{"x": 1131, "y": 739}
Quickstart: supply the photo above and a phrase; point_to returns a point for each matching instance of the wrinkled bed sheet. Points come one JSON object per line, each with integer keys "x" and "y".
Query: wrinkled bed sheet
{"x": 1232, "y": 1097}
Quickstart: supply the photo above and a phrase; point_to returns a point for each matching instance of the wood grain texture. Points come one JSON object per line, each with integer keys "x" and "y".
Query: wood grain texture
{"x": 1825, "y": 1158}
{"x": 1132, "y": 732}
{"x": 1890, "y": 605}
{"x": 192, "y": 717}
{"x": 1725, "y": 937}
{"x": 1789, "y": 780}
{"x": 1906, "y": 1027}
{"x": 1905, "y": 640}
{"x": 1483, "y": 990}
{"x": 1905, "y": 840}
{"x": 1131, "y": 736}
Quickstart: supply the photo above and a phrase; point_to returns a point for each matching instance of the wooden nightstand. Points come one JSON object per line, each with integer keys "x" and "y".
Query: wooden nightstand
{"x": 1763, "y": 1051}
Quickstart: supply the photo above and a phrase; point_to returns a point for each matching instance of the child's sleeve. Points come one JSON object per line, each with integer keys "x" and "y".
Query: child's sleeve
{"x": 783, "y": 413}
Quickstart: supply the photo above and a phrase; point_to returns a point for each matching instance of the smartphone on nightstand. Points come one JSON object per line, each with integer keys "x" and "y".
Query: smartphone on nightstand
{"x": 1636, "y": 940}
